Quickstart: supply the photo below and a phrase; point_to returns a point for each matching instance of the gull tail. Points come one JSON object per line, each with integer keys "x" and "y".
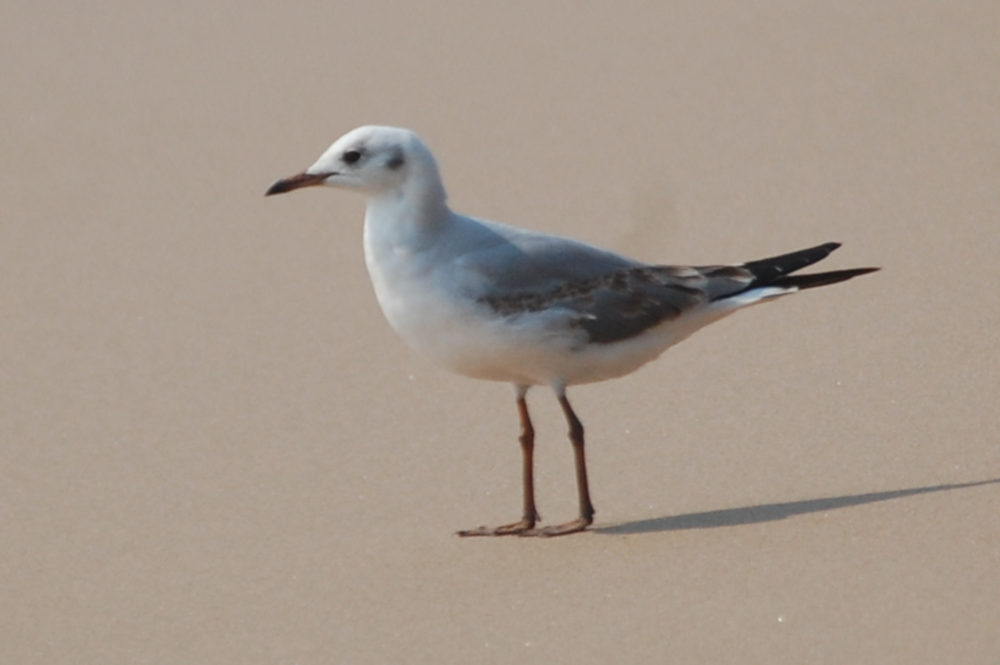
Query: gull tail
{"x": 776, "y": 271}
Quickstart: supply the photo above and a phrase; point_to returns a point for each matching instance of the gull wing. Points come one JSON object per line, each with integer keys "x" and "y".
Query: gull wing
{"x": 613, "y": 299}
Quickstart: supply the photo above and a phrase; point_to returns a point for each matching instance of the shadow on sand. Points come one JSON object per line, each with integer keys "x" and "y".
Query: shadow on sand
{"x": 770, "y": 511}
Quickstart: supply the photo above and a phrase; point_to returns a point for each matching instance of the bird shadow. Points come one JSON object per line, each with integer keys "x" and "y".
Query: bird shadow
{"x": 769, "y": 512}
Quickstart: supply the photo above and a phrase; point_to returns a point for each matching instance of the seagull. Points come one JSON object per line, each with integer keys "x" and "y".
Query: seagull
{"x": 492, "y": 301}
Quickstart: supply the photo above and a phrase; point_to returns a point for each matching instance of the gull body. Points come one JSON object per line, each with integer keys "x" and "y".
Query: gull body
{"x": 493, "y": 301}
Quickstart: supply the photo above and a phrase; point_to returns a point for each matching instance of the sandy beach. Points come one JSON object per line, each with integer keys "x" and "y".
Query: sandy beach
{"x": 215, "y": 450}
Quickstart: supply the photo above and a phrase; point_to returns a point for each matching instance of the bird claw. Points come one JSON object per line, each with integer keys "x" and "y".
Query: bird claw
{"x": 516, "y": 529}
{"x": 526, "y": 528}
{"x": 574, "y": 526}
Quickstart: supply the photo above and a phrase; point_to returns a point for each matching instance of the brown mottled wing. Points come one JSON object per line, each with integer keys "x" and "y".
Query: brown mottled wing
{"x": 625, "y": 302}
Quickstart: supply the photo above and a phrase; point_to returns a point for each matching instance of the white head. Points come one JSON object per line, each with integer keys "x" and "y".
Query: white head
{"x": 376, "y": 161}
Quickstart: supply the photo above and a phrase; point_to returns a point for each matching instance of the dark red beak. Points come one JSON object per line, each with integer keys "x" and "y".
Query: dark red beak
{"x": 296, "y": 182}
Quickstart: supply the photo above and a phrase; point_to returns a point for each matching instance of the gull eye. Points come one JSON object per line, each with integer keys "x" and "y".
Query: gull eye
{"x": 352, "y": 156}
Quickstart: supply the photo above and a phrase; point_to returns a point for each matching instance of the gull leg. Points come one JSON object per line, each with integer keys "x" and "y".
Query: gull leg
{"x": 530, "y": 515}
{"x": 527, "y": 441}
{"x": 583, "y": 488}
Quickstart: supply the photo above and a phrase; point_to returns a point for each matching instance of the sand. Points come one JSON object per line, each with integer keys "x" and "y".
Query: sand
{"x": 215, "y": 450}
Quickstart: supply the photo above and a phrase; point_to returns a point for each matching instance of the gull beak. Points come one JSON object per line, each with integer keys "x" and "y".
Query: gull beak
{"x": 296, "y": 182}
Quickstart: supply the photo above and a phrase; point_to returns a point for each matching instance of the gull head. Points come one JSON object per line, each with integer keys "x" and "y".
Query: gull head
{"x": 374, "y": 160}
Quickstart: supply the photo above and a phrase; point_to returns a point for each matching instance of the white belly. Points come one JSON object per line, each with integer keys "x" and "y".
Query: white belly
{"x": 468, "y": 338}
{"x": 429, "y": 302}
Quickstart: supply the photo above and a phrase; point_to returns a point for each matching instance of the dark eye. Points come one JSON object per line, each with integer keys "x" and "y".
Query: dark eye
{"x": 352, "y": 156}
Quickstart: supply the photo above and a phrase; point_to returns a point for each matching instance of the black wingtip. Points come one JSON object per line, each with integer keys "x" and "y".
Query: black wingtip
{"x": 821, "y": 278}
{"x": 777, "y": 270}
{"x": 767, "y": 270}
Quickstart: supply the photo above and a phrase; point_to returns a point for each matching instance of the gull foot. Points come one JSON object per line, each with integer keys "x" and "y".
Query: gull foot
{"x": 516, "y": 529}
{"x": 577, "y": 525}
